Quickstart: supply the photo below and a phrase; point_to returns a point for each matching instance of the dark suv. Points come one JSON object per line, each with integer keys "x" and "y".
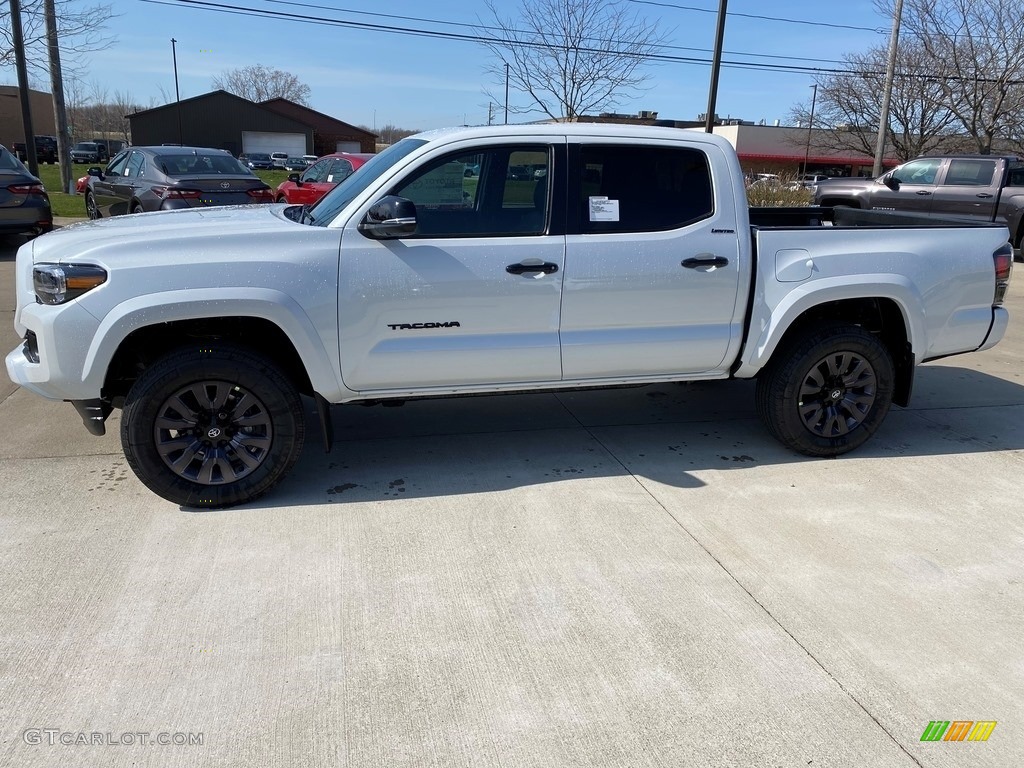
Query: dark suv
{"x": 46, "y": 149}
{"x": 89, "y": 152}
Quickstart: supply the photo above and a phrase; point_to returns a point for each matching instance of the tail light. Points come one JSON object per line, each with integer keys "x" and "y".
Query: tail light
{"x": 1003, "y": 260}
{"x": 180, "y": 194}
{"x": 26, "y": 189}
{"x": 264, "y": 195}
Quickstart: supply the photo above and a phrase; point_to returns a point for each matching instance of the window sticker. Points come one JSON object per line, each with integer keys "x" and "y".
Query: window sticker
{"x": 603, "y": 209}
{"x": 330, "y": 178}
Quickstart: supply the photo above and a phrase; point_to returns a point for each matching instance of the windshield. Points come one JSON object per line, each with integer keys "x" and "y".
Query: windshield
{"x": 86, "y": 145}
{"x": 333, "y": 202}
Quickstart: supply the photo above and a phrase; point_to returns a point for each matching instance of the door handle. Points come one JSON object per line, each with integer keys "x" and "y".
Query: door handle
{"x": 705, "y": 261}
{"x": 923, "y": 192}
{"x": 545, "y": 267}
{"x": 983, "y": 195}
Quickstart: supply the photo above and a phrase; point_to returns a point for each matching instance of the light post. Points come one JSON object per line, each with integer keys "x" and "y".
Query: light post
{"x": 506, "y": 93}
{"x": 890, "y": 73}
{"x": 810, "y": 125}
{"x": 177, "y": 94}
{"x": 716, "y": 64}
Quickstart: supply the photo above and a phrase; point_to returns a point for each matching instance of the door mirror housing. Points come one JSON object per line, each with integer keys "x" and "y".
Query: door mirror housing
{"x": 389, "y": 217}
{"x": 96, "y": 171}
{"x": 891, "y": 181}
{"x": 295, "y": 179}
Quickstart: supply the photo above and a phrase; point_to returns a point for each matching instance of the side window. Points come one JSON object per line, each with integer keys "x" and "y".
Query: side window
{"x": 642, "y": 188}
{"x": 116, "y": 167}
{"x": 340, "y": 170}
{"x": 317, "y": 171}
{"x": 135, "y": 165}
{"x": 971, "y": 173}
{"x": 505, "y": 194}
{"x": 918, "y": 171}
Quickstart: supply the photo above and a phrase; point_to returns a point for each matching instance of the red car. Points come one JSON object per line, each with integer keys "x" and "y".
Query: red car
{"x": 320, "y": 178}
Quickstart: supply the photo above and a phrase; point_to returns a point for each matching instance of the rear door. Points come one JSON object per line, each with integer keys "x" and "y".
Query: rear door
{"x": 968, "y": 188}
{"x": 472, "y": 298}
{"x": 652, "y": 262}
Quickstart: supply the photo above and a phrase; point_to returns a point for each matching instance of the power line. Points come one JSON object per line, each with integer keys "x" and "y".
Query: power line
{"x": 485, "y": 27}
{"x": 762, "y": 18}
{"x": 215, "y": 7}
{"x": 476, "y": 38}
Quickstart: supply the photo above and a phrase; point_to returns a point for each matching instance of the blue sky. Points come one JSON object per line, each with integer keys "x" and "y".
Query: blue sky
{"x": 369, "y": 77}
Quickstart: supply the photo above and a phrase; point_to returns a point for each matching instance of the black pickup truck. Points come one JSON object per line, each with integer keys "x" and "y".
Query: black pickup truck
{"x": 979, "y": 187}
{"x": 46, "y": 149}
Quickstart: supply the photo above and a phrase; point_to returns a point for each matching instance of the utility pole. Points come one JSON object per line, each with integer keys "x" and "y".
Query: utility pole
{"x": 177, "y": 93}
{"x": 890, "y": 73}
{"x": 716, "y": 64}
{"x": 26, "y": 110}
{"x": 506, "y": 93}
{"x": 810, "y": 125}
{"x": 60, "y": 115}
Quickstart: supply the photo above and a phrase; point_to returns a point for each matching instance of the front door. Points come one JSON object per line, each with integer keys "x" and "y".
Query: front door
{"x": 652, "y": 271}
{"x": 914, "y": 188}
{"x": 472, "y": 298}
{"x": 103, "y": 190}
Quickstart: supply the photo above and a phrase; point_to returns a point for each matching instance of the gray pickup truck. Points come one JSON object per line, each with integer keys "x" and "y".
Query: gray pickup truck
{"x": 981, "y": 187}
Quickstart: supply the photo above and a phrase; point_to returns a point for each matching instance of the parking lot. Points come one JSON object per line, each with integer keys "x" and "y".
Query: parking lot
{"x": 637, "y": 577}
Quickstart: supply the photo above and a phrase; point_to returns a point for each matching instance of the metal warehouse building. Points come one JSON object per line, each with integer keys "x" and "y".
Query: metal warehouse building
{"x": 226, "y": 121}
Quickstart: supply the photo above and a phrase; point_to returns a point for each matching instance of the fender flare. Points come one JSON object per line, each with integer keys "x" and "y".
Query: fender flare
{"x": 322, "y": 364}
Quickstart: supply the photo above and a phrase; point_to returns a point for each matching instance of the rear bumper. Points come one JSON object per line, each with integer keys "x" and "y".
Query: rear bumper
{"x": 1000, "y": 322}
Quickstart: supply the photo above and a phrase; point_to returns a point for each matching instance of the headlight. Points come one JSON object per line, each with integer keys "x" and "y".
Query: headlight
{"x": 58, "y": 283}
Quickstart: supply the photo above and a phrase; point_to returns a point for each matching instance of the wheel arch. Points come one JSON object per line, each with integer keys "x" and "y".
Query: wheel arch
{"x": 143, "y": 346}
{"x": 263, "y": 320}
{"x": 831, "y": 202}
{"x": 882, "y": 316}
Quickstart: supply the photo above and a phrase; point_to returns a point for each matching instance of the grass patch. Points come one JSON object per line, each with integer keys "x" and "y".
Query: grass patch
{"x": 73, "y": 206}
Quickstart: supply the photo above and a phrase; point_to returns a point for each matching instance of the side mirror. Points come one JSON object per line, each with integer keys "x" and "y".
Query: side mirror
{"x": 389, "y": 217}
{"x": 891, "y": 182}
{"x": 95, "y": 171}
{"x": 295, "y": 179}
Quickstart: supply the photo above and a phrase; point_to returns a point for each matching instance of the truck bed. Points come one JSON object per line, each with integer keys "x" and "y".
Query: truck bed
{"x": 818, "y": 216}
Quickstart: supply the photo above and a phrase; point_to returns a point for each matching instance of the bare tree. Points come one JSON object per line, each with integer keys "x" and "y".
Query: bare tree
{"x": 569, "y": 57}
{"x": 81, "y": 29}
{"x": 259, "y": 83}
{"x": 974, "y": 51}
{"x": 847, "y": 110}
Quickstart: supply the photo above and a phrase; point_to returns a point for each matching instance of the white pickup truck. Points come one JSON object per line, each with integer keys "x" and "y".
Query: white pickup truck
{"x": 620, "y": 255}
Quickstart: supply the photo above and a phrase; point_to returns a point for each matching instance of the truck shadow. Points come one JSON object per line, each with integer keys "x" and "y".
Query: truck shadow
{"x": 684, "y": 436}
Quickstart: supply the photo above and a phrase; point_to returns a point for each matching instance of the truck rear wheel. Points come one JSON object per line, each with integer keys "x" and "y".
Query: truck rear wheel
{"x": 826, "y": 392}
{"x": 212, "y": 427}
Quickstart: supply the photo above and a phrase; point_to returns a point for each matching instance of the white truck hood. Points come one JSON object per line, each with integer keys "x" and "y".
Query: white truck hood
{"x": 154, "y": 231}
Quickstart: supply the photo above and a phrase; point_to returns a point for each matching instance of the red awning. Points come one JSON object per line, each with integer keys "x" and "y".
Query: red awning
{"x": 820, "y": 159}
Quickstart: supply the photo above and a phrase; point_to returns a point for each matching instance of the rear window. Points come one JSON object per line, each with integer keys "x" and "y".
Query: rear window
{"x": 189, "y": 165}
{"x": 9, "y": 162}
{"x": 642, "y": 188}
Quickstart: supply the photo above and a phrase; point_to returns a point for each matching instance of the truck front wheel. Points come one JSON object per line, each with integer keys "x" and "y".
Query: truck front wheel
{"x": 212, "y": 427}
{"x": 826, "y": 392}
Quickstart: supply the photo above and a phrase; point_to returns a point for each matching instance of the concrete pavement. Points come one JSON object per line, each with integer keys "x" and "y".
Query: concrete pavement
{"x": 638, "y": 577}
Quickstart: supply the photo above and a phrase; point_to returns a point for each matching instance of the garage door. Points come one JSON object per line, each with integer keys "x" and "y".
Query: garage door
{"x": 348, "y": 146}
{"x": 263, "y": 141}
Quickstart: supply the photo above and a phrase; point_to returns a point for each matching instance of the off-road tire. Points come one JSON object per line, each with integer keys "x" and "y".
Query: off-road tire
{"x": 826, "y": 391}
{"x": 234, "y": 446}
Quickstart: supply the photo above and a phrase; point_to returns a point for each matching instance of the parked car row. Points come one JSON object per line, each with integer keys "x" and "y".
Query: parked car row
{"x": 164, "y": 178}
